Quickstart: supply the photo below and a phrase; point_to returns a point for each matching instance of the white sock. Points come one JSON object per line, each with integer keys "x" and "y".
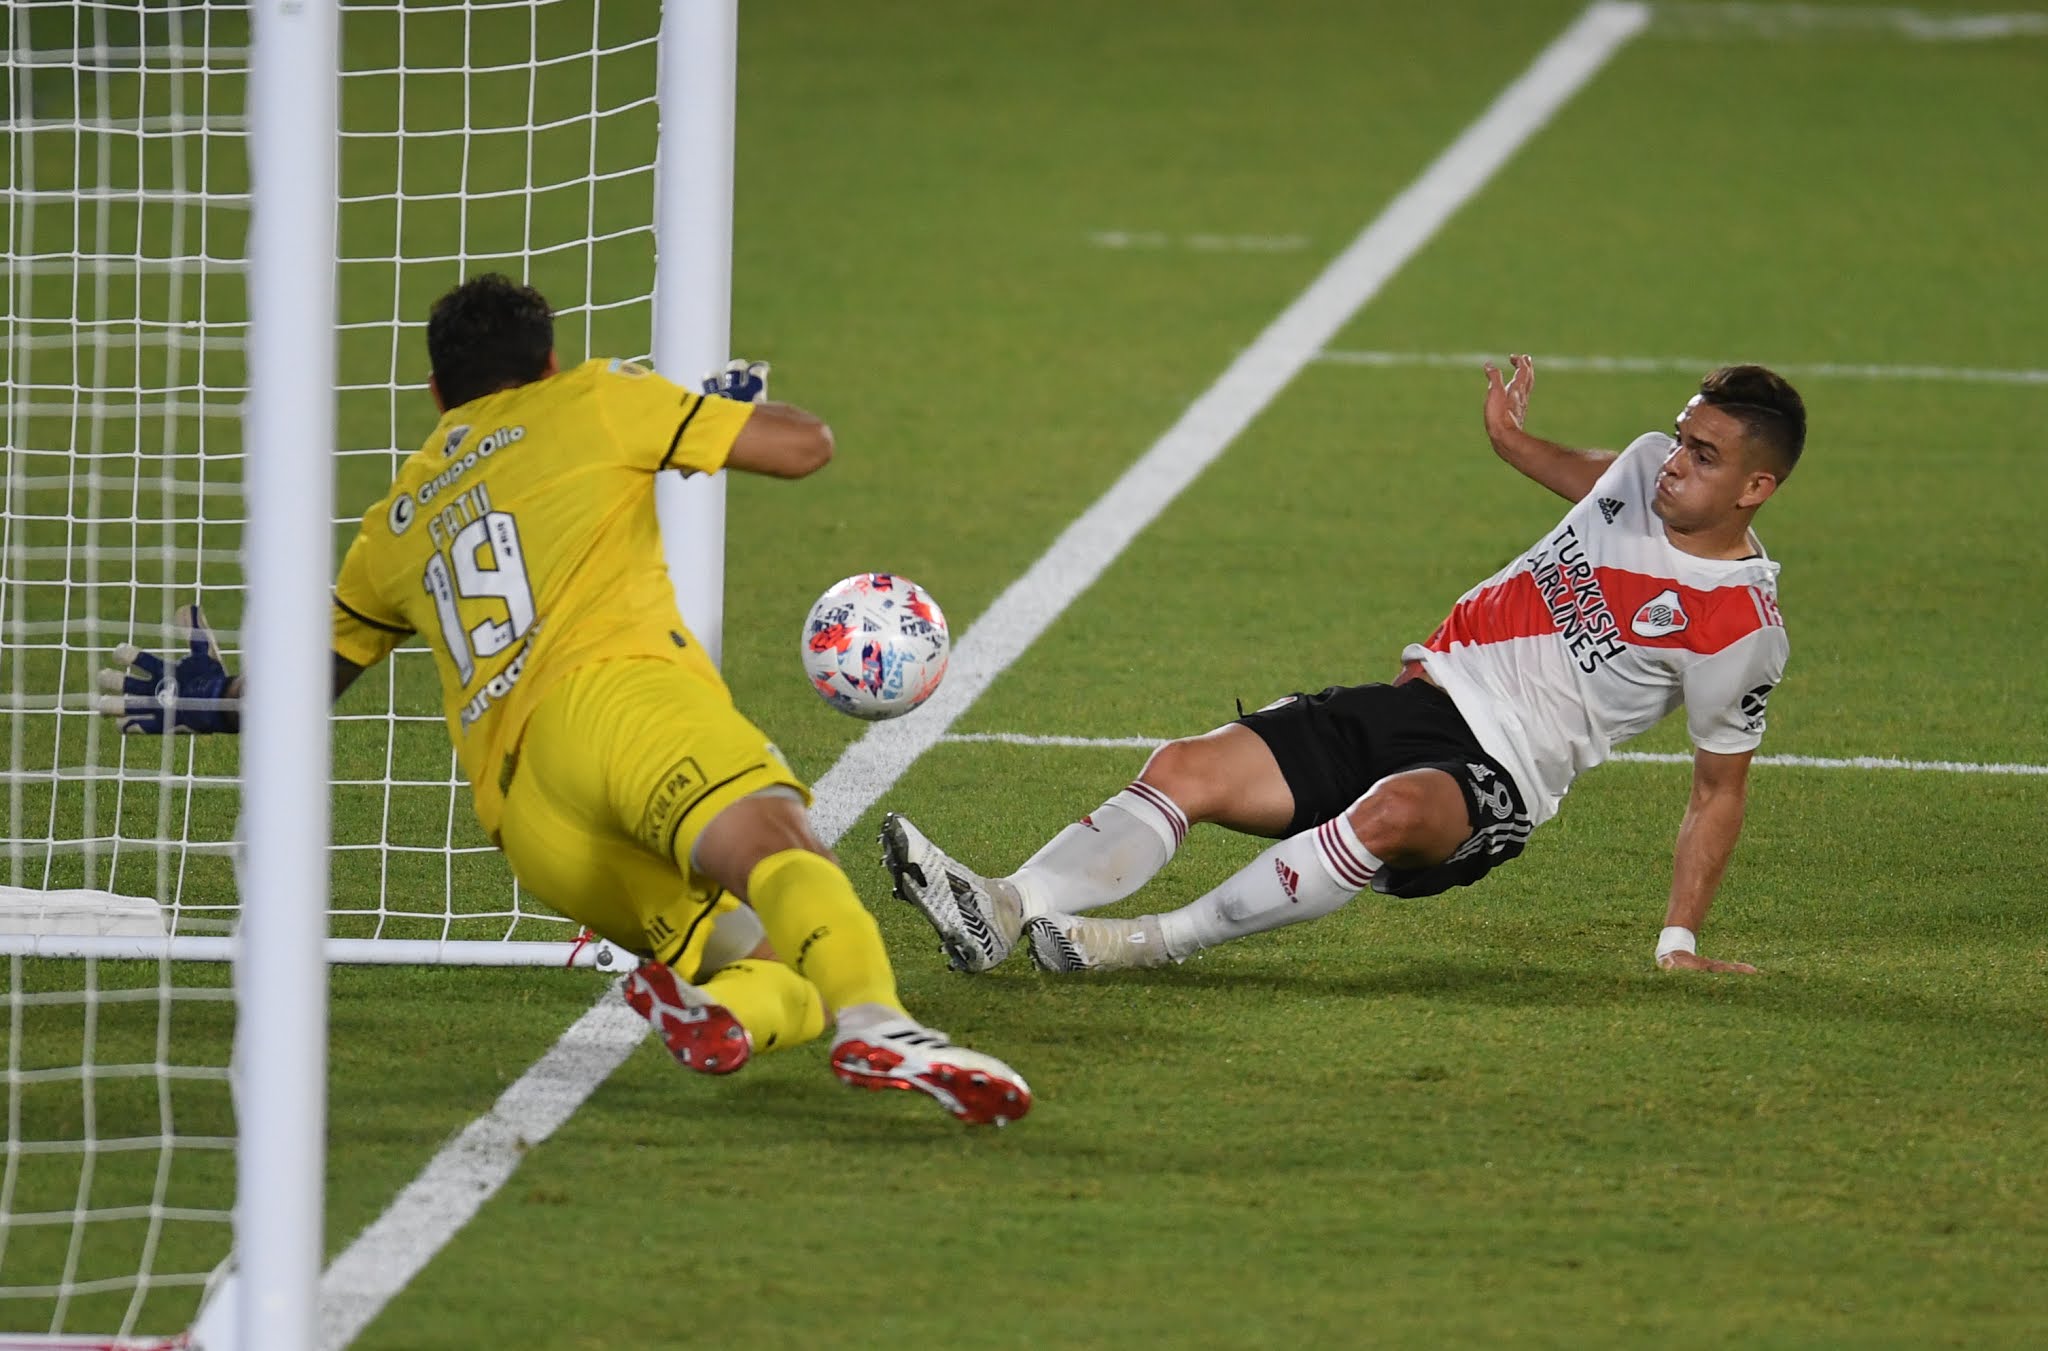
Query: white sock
{"x": 1303, "y": 877}
{"x": 1103, "y": 857}
{"x": 855, "y": 1019}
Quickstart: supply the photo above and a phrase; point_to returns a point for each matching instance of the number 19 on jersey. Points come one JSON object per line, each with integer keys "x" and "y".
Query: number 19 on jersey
{"x": 503, "y": 580}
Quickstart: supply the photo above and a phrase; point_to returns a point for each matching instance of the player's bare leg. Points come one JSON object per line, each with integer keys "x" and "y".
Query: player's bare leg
{"x": 761, "y": 848}
{"x": 1227, "y": 776}
{"x": 1411, "y": 820}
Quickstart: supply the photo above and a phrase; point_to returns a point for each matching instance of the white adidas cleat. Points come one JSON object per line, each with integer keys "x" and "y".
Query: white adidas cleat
{"x": 1070, "y": 943}
{"x": 978, "y": 918}
{"x": 903, "y": 1053}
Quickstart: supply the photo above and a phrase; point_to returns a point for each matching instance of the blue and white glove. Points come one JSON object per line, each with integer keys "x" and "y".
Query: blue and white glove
{"x": 192, "y": 696}
{"x": 742, "y": 381}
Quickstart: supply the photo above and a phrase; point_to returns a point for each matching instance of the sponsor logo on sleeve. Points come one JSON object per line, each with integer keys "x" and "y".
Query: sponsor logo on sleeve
{"x": 402, "y": 513}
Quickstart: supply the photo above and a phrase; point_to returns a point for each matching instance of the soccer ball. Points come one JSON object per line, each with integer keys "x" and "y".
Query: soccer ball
{"x": 875, "y": 645}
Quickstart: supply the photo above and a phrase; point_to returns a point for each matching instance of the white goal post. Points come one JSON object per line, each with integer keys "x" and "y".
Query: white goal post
{"x": 224, "y": 222}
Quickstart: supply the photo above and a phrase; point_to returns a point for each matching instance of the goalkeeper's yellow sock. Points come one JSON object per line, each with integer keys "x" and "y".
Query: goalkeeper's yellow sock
{"x": 820, "y": 928}
{"x": 778, "y": 1007}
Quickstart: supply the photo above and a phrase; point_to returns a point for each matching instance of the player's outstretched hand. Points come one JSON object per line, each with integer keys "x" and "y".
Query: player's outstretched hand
{"x": 742, "y": 381}
{"x": 1692, "y": 961}
{"x": 192, "y": 696}
{"x": 1507, "y": 401}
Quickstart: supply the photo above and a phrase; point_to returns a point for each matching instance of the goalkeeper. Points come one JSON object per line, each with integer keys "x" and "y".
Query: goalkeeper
{"x": 605, "y": 753}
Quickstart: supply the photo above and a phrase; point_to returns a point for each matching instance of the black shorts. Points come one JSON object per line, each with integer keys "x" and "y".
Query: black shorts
{"x": 1334, "y": 746}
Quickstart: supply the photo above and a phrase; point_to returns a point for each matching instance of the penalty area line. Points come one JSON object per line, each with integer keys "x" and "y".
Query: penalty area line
{"x": 468, "y": 1171}
{"x": 1872, "y": 762}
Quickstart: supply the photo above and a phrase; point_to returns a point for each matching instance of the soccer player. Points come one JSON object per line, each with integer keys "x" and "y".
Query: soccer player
{"x": 605, "y": 754}
{"x": 1651, "y": 592}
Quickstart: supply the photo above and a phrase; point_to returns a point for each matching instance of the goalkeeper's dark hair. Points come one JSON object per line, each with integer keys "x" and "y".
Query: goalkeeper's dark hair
{"x": 488, "y": 334}
{"x": 1772, "y": 414}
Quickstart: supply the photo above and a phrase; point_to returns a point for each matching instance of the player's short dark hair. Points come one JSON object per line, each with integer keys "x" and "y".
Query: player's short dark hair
{"x": 1772, "y": 414}
{"x": 488, "y": 334}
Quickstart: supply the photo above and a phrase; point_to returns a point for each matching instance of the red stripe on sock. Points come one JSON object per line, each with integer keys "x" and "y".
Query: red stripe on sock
{"x": 1176, "y": 819}
{"x": 1342, "y": 858}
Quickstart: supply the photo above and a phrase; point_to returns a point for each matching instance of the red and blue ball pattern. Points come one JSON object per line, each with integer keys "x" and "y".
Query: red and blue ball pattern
{"x": 875, "y": 645}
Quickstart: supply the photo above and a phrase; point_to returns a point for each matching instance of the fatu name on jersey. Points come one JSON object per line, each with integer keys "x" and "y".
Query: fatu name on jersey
{"x": 1601, "y": 629}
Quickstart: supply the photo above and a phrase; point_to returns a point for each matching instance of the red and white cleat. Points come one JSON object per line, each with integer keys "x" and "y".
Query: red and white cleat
{"x": 701, "y": 1035}
{"x": 903, "y": 1053}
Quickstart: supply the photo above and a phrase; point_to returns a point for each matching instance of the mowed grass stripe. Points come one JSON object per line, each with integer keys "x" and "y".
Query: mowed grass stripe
{"x": 469, "y": 1171}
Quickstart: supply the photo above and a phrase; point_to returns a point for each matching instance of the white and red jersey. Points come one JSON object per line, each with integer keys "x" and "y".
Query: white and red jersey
{"x": 1601, "y": 629}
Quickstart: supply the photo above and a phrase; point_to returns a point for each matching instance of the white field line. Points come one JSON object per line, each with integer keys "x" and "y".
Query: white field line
{"x": 1155, "y": 239}
{"x": 468, "y": 1171}
{"x": 1919, "y": 25}
{"x": 1694, "y": 366}
{"x": 1626, "y": 757}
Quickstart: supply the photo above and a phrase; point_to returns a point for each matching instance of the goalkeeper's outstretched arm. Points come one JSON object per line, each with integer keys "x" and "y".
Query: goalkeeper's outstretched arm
{"x": 196, "y": 695}
{"x": 345, "y": 673}
{"x": 780, "y": 440}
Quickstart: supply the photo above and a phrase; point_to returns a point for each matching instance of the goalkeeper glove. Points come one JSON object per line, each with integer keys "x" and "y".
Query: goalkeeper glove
{"x": 742, "y": 381}
{"x": 190, "y": 697}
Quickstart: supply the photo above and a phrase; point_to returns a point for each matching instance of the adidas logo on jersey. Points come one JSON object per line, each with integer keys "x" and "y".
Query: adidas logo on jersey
{"x": 1660, "y": 616}
{"x": 1610, "y": 507}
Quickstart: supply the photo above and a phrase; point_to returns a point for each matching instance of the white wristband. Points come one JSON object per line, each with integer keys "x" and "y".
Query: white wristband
{"x": 1676, "y": 938}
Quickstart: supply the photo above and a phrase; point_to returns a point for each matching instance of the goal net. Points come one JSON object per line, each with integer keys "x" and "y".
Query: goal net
{"x": 498, "y": 135}
{"x": 508, "y": 135}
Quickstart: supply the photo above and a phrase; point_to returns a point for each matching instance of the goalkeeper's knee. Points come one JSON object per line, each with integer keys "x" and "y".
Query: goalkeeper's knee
{"x": 735, "y": 934}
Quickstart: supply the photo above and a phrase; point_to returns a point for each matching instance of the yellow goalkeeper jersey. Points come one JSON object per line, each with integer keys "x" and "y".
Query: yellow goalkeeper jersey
{"x": 520, "y": 541}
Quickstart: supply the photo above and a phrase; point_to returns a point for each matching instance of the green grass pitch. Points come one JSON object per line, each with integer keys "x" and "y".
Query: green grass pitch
{"x": 1478, "y": 1120}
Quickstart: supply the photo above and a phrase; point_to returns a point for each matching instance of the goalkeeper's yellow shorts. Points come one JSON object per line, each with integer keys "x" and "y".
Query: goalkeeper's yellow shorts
{"x": 620, "y": 768}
